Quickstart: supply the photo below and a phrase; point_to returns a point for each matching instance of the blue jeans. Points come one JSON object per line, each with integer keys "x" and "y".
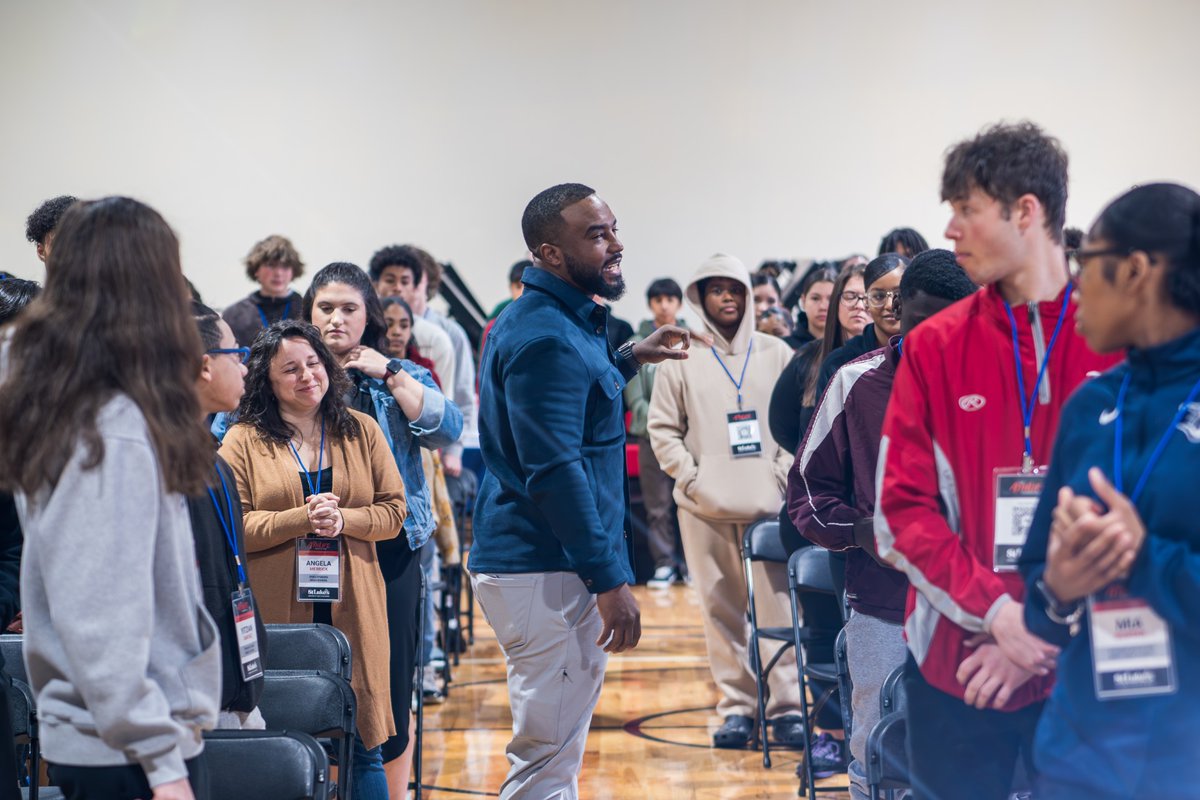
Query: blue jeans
{"x": 370, "y": 782}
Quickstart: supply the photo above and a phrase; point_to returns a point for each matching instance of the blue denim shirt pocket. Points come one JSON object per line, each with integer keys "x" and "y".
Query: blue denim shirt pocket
{"x": 607, "y": 390}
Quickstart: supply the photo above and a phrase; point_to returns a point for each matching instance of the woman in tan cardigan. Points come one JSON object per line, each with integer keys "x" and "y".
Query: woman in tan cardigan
{"x": 292, "y": 422}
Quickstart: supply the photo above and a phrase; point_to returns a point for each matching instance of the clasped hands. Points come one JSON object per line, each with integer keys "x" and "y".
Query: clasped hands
{"x": 1088, "y": 549}
{"x": 324, "y": 515}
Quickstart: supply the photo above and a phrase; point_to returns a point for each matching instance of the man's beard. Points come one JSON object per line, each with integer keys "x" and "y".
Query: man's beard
{"x": 592, "y": 281}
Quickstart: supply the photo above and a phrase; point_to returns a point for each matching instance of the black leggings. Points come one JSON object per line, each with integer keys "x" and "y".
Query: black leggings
{"x": 401, "y": 568}
{"x": 119, "y": 783}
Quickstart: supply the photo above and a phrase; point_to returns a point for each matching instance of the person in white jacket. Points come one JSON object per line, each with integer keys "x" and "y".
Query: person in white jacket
{"x": 708, "y": 427}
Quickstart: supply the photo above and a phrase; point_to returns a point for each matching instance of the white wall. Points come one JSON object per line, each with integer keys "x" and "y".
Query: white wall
{"x": 777, "y": 128}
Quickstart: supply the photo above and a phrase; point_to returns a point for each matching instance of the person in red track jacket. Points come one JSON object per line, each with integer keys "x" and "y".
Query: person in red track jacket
{"x": 960, "y": 413}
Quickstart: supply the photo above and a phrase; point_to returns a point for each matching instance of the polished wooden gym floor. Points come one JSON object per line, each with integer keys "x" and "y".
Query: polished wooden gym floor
{"x": 650, "y": 736}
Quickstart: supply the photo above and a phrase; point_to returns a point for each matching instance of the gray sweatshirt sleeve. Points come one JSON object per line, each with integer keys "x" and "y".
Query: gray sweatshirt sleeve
{"x": 100, "y": 588}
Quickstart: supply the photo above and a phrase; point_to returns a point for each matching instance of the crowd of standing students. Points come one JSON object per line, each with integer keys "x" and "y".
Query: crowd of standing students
{"x": 999, "y": 440}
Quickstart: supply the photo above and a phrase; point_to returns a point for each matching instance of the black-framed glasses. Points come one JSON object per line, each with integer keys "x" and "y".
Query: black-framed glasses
{"x": 851, "y": 299}
{"x": 877, "y": 298}
{"x": 242, "y": 353}
{"x": 1076, "y": 257}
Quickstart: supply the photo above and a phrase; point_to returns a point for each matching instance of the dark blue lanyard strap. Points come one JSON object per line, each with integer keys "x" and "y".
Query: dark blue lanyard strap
{"x": 1028, "y": 404}
{"x": 312, "y": 487}
{"x": 738, "y": 383}
{"x": 263, "y": 315}
{"x": 1119, "y": 434}
{"x": 227, "y": 525}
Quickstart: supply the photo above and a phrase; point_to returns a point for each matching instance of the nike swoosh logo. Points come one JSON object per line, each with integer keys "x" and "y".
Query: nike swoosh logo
{"x": 1108, "y": 416}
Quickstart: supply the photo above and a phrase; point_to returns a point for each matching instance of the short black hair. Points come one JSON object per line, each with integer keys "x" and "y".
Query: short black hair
{"x": 1161, "y": 219}
{"x": 663, "y": 287}
{"x": 44, "y": 219}
{"x": 1072, "y": 238}
{"x": 882, "y": 265}
{"x": 1006, "y": 161}
{"x": 906, "y": 239}
{"x": 517, "y": 270}
{"x": 397, "y": 255}
{"x": 542, "y": 219}
{"x": 938, "y": 274}
{"x": 206, "y": 323}
{"x": 15, "y": 294}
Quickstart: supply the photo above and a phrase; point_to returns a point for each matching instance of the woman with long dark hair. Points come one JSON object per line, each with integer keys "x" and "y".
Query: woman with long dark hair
{"x": 398, "y": 316}
{"x": 319, "y": 490}
{"x": 413, "y": 413}
{"x": 101, "y": 452}
{"x": 1111, "y": 563}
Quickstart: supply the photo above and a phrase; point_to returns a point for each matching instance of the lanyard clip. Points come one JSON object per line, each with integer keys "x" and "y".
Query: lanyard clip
{"x": 1027, "y": 463}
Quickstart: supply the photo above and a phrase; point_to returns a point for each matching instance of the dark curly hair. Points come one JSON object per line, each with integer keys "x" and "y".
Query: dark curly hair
{"x": 399, "y": 255}
{"x": 1007, "y": 161}
{"x": 260, "y": 408}
{"x": 15, "y": 294}
{"x": 42, "y": 222}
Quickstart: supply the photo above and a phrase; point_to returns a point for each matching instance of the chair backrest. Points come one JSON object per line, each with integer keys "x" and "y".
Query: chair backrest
{"x": 892, "y": 696}
{"x": 762, "y": 542}
{"x": 308, "y": 646}
{"x": 815, "y": 569}
{"x": 317, "y": 703}
{"x": 12, "y": 647}
{"x": 266, "y": 765}
{"x": 845, "y": 684}
{"x": 21, "y": 710}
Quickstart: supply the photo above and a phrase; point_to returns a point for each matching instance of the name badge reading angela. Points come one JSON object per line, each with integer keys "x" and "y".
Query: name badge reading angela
{"x": 247, "y": 635}
{"x": 318, "y": 570}
{"x": 1017, "y": 496}
{"x": 1132, "y": 654}
{"x": 745, "y": 438}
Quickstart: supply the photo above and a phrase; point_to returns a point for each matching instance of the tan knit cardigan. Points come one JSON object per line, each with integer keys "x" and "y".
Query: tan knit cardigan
{"x": 371, "y": 493}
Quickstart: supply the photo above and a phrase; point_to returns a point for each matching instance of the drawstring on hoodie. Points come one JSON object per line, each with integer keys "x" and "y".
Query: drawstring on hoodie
{"x": 738, "y": 383}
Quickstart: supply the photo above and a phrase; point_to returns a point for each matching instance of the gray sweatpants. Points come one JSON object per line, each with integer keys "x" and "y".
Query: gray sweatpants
{"x": 874, "y": 647}
{"x": 547, "y": 624}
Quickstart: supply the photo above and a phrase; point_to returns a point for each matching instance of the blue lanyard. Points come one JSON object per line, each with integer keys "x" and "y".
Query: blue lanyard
{"x": 1027, "y": 405}
{"x": 900, "y": 347}
{"x": 1119, "y": 434}
{"x": 738, "y": 383}
{"x": 312, "y": 488}
{"x": 263, "y": 315}
{"x": 227, "y": 526}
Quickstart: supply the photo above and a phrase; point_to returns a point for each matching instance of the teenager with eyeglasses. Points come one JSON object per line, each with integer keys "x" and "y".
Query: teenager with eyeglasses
{"x": 1111, "y": 568}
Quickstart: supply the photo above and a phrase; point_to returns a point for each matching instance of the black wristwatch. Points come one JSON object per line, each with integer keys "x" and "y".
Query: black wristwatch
{"x": 394, "y": 366}
{"x": 625, "y": 351}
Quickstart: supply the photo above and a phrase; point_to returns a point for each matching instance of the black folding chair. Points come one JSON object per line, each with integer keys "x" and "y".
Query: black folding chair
{"x": 266, "y": 765}
{"x": 308, "y": 646}
{"x": 321, "y": 704}
{"x": 887, "y": 753}
{"x": 23, "y": 712}
{"x": 813, "y": 571}
{"x": 761, "y": 543}
{"x": 12, "y": 647}
{"x": 845, "y": 684}
{"x": 464, "y": 514}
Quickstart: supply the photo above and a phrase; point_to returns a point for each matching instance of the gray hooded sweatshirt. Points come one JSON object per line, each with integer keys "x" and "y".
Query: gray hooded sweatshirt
{"x": 122, "y": 656}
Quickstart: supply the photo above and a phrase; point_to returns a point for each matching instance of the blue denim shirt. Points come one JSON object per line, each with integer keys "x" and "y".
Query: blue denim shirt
{"x": 552, "y": 435}
{"x": 440, "y": 424}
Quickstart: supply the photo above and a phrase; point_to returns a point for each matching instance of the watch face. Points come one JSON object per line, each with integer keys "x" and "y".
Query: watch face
{"x": 395, "y": 365}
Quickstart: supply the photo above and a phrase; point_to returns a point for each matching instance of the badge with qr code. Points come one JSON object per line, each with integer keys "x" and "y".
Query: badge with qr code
{"x": 1017, "y": 496}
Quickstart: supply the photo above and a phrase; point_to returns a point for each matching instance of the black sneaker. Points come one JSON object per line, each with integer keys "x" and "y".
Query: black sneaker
{"x": 735, "y": 733}
{"x": 828, "y": 756}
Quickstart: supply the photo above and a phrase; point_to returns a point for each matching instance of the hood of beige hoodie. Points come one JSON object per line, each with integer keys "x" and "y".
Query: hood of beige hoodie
{"x": 723, "y": 266}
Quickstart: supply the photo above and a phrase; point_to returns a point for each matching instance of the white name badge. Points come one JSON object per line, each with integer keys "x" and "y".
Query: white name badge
{"x": 1132, "y": 655}
{"x": 318, "y": 570}
{"x": 247, "y": 635}
{"x": 1017, "y": 496}
{"x": 745, "y": 437}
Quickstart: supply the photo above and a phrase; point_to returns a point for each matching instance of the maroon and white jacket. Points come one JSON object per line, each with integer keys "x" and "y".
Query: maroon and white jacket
{"x": 832, "y": 482}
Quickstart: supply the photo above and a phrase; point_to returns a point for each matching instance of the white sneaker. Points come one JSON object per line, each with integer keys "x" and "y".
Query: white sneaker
{"x": 663, "y": 578}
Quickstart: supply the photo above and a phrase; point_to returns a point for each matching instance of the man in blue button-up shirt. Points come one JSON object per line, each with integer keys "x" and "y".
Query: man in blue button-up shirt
{"x": 550, "y": 561}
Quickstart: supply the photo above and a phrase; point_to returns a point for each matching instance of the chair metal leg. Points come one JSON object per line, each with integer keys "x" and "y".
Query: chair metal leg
{"x": 806, "y": 780}
{"x": 419, "y": 690}
{"x": 756, "y": 666}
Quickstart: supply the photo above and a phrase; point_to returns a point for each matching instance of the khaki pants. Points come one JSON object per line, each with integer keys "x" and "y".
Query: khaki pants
{"x": 714, "y": 556}
{"x": 547, "y": 624}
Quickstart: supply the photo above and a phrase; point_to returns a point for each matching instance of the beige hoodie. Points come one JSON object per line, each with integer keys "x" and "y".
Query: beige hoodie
{"x": 688, "y": 426}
